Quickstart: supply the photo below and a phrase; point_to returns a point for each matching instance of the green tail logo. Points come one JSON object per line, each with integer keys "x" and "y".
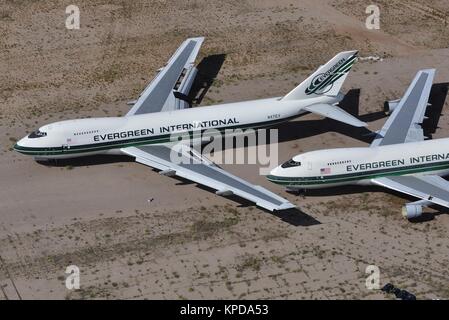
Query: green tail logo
{"x": 323, "y": 82}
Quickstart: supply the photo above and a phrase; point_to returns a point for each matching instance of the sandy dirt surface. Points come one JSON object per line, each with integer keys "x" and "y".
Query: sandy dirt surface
{"x": 136, "y": 234}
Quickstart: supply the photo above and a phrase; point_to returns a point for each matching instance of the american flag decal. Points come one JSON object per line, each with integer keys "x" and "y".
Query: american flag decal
{"x": 325, "y": 170}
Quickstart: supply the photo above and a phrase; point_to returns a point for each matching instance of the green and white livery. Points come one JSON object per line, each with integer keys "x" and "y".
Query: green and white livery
{"x": 162, "y": 111}
{"x": 398, "y": 158}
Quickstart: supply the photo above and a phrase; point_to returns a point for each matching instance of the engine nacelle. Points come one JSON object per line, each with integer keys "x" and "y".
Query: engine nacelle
{"x": 411, "y": 211}
{"x": 389, "y": 106}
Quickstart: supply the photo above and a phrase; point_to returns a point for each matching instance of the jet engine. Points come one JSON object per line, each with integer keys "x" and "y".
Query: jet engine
{"x": 389, "y": 106}
{"x": 411, "y": 210}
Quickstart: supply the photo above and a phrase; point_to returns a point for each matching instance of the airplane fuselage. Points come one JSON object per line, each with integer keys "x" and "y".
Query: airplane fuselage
{"x": 81, "y": 137}
{"x": 343, "y": 166}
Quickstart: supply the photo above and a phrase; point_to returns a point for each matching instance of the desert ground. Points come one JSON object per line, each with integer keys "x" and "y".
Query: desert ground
{"x": 135, "y": 234}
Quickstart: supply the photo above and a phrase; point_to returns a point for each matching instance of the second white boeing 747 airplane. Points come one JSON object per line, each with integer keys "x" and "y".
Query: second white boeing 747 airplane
{"x": 162, "y": 110}
{"x": 398, "y": 158}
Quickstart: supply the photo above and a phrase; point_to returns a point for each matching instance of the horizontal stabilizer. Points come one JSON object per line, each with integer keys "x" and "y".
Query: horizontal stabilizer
{"x": 335, "y": 113}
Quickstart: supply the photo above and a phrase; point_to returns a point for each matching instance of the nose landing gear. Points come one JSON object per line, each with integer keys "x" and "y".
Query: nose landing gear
{"x": 297, "y": 191}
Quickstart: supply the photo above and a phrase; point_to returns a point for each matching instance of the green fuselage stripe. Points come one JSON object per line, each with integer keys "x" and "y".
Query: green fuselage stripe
{"x": 320, "y": 180}
{"x": 101, "y": 146}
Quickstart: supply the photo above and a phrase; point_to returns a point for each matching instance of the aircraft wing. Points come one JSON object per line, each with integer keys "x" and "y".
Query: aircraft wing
{"x": 168, "y": 90}
{"x": 431, "y": 188}
{"x": 189, "y": 164}
{"x": 404, "y": 124}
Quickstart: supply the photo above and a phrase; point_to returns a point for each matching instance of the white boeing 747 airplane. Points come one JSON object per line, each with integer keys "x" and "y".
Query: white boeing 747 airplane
{"x": 162, "y": 110}
{"x": 398, "y": 158}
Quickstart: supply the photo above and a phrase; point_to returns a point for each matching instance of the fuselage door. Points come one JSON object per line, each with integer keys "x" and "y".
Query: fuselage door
{"x": 309, "y": 165}
{"x": 66, "y": 146}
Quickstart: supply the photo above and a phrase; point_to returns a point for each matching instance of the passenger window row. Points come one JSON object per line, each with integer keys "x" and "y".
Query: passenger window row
{"x": 338, "y": 162}
{"x": 85, "y": 132}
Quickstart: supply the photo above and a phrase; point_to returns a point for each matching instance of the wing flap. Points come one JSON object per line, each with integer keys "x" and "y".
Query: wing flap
{"x": 431, "y": 188}
{"x": 192, "y": 166}
{"x": 335, "y": 113}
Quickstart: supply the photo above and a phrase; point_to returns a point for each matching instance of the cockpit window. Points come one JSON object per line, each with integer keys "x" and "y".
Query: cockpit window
{"x": 37, "y": 134}
{"x": 291, "y": 163}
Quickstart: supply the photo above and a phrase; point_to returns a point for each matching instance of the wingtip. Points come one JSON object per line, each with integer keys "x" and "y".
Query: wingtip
{"x": 285, "y": 205}
{"x": 200, "y": 39}
{"x": 356, "y": 123}
{"x": 363, "y": 124}
{"x": 349, "y": 52}
{"x": 429, "y": 70}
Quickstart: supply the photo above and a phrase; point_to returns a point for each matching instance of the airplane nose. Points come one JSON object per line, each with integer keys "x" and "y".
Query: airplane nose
{"x": 20, "y": 144}
{"x": 276, "y": 171}
{"x": 275, "y": 174}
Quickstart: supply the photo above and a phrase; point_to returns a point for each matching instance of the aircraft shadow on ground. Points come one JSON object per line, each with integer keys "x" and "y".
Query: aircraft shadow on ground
{"x": 293, "y": 216}
{"x": 208, "y": 69}
{"x": 437, "y": 98}
{"x": 86, "y": 161}
{"x": 357, "y": 189}
{"x": 347, "y": 190}
{"x": 296, "y": 217}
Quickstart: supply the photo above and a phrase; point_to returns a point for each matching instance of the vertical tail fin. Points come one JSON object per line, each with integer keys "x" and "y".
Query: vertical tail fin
{"x": 327, "y": 79}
